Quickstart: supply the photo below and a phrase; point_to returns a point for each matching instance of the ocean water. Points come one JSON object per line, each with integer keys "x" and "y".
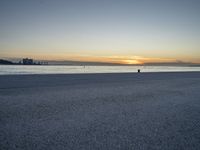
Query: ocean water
{"x": 48, "y": 69}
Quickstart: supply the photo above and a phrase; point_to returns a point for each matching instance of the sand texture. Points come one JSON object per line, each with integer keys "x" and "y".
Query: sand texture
{"x": 125, "y": 111}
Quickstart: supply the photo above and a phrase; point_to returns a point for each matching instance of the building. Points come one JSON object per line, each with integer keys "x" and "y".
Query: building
{"x": 27, "y": 61}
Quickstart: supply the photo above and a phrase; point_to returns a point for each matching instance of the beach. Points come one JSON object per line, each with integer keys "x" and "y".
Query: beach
{"x": 115, "y": 111}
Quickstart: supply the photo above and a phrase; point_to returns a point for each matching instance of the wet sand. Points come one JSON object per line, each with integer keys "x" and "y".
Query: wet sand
{"x": 100, "y": 111}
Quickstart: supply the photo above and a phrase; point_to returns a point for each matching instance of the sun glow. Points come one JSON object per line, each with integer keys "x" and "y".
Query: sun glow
{"x": 132, "y": 62}
{"x": 114, "y": 59}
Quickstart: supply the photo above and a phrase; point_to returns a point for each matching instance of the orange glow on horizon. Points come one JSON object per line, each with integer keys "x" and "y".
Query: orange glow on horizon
{"x": 132, "y": 62}
{"x": 129, "y": 60}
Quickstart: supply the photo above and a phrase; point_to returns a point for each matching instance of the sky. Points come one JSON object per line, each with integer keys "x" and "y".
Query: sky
{"x": 122, "y": 31}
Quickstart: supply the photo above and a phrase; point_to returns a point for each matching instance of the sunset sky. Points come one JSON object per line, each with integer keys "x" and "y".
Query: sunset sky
{"x": 122, "y": 31}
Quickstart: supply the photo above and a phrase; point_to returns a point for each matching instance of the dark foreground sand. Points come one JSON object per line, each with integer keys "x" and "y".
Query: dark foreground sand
{"x": 100, "y": 111}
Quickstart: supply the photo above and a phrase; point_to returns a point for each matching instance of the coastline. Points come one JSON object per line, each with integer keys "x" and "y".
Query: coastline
{"x": 100, "y": 111}
{"x": 48, "y": 69}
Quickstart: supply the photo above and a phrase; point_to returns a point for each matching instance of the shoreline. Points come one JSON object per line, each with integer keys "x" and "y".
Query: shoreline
{"x": 14, "y": 70}
{"x": 102, "y": 73}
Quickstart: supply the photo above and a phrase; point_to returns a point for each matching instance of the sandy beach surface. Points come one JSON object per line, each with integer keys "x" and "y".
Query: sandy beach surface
{"x": 126, "y": 111}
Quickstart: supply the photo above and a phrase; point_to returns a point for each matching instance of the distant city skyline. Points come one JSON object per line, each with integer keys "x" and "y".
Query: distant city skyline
{"x": 114, "y": 31}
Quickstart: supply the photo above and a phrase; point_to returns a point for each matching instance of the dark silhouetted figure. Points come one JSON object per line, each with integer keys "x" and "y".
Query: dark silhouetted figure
{"x": 138, "y": 70}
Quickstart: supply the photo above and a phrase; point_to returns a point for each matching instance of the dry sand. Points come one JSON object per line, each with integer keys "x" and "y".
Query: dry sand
{"x": 100, "y": 111}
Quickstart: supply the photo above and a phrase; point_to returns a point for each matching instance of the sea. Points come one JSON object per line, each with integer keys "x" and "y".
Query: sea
{"x": 61, "y": 69}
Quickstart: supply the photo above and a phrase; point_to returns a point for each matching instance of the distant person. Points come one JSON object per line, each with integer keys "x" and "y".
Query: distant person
{"x": 138, "y": 70}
